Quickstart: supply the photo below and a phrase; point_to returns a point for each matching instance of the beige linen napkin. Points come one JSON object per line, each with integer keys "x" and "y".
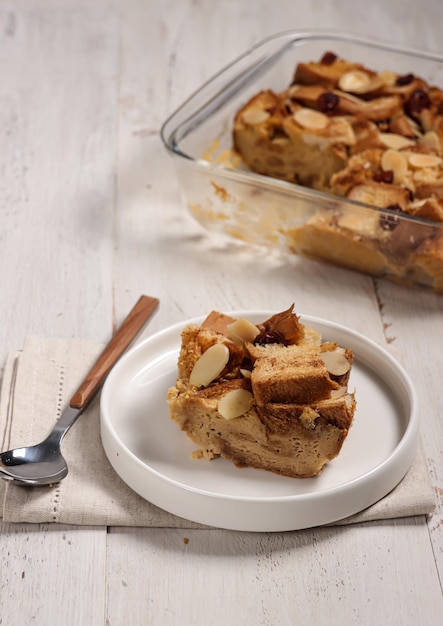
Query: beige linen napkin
{"x": 37, "y": 384}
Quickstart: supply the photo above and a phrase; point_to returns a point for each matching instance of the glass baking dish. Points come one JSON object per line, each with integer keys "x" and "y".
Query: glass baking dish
{"x": 225, "y": 197}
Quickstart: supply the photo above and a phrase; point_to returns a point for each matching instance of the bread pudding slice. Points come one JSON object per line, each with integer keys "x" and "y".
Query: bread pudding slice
{"x": 270, "y": 396}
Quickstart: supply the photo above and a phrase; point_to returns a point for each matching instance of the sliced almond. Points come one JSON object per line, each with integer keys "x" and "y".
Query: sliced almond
{"x": 245, "y": 373}
{"x": 424, "y": 160}
{"x": 242, "y": 330}
{"x": 235, "y": 403}
{"x": 355, "y": 81}
{"x": 293, "y": 89}
{"x": 417, "y": 204}
{"x": 394, "y": 141}
{"x": 427, "y": 119}
{"x": 336, "y": 362}
{"x": 210, "y": 365}
{"x": 283, "y": 142}
{"x": 255, "y": 116}
{"x": 431, "y": 140}
{"x": 338, "y": 393}
{"x": 389, "y": 78}
{"x": 396, "y": 162}
{"x": 308, "y": 118}
{"x": 405, "y": 126}
{"x": 349, "y": 401}
{"x": 376, "y": 109}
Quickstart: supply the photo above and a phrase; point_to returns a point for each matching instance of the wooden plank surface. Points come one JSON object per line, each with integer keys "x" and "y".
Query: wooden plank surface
{"x": 52, "y": 574}
{"x": 324, "y": 576}
{"x": 57, "y": 103}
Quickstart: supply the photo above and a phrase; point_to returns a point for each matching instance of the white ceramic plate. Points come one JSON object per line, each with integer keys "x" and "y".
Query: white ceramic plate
{"x": 153, "y": 456}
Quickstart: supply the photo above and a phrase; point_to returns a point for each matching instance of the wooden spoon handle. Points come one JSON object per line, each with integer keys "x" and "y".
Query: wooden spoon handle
{"x": 130, "y": 327}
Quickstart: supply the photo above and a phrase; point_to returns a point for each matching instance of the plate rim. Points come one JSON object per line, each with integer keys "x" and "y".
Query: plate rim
{"x": 409, "y": 437}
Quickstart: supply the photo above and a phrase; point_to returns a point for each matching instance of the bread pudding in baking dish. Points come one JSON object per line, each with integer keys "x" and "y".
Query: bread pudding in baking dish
{"x": 374, "y": 138}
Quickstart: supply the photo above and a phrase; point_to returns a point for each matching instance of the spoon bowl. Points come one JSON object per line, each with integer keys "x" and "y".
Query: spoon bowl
{"x": 43, "y": 463}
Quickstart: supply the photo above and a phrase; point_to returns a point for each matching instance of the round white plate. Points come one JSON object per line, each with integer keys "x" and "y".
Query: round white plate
{"x": 154, "y": 457}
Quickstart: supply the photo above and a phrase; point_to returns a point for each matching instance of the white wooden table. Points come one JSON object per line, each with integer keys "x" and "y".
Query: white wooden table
{"x": 90, "y": 217}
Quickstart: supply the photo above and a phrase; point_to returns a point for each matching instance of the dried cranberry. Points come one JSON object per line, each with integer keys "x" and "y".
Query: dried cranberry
{"x": 277, "y": 133}
{"x": 327, "y": 102}
{"x": 383, "y": 125}
{"x": 406, "y": 79}
{"x": 384, "y": 176}
{"x": 268, "y": 336}
{"x": 418, "y": 101}
{"x": 328, "y": 58}
{"x": 389, "y": 222}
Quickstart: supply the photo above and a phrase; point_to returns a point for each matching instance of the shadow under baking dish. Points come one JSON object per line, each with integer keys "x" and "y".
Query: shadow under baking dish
{"x": 154, "y": 457}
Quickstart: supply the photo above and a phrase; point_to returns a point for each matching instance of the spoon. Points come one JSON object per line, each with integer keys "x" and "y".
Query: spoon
{"x": 43, "y": 463}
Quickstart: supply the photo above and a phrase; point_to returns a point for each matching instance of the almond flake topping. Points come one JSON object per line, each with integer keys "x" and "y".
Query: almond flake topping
{"x": 338, "y": 393}
{"x": 394, "y": 141}
{"x": 242, "y": 330}
{"x": 210, "y": 365}
{"x": 235, "y": 403}
{"x": 396, "y": 162}
{"x": 424, "y": 160}
{"x": 255, "y": 116}
{"x": 430, "y": 140}
{"x": 388, "y": 78}
{"x": 336, "y": 362}
{"x": 308, "y": 118}
{"x": 355, "y": 81}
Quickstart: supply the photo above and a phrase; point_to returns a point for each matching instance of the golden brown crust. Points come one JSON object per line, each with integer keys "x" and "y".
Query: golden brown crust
{"x": 217, "y": 322}
{"x": 324, "y": 74}
{"x": 291, "y": 377}
{"x": 379, "y": 194}
{"x": 195, "y": 341}
{"x": 286, "y": 325}
{"x": 281, "y": 418}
